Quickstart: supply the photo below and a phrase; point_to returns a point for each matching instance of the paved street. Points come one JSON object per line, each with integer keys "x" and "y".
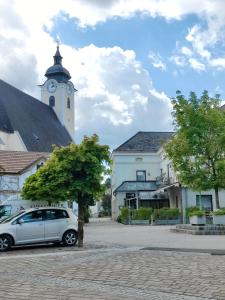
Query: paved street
{"x": 111, "y": 233}
{"x": 113, "y": 271}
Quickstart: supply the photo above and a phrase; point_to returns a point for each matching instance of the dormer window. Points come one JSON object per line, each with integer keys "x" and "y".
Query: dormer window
{"x": 68, "y": 102}
{"x": 51, "y": 101}
{"x": 40, "y": 165}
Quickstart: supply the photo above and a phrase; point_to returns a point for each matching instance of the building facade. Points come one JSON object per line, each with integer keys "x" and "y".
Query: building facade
{"x": 143, "y": 177}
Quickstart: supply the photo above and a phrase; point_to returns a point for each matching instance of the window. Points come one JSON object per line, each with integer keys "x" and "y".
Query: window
{"x": 52, "y": 101}
{"x": 204, "y": 202}
{"x": 68, "y": 102}
{"x": 130, "y": 195}
{"x": 139, "y": 159}
{"x": 34, "y": 216}
{"x": 54, "y": 214}
{"x": 40, "y": 165}
{"x": 141, "y": 175}
{"x": 5, "y": 210}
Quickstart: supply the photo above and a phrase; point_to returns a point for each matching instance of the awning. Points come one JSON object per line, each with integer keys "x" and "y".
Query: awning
{"x": 133, "y": 186}
{"x": 166, "y": 187}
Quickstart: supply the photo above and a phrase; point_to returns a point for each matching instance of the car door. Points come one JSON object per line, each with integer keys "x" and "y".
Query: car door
{"x": 55, "y": 222}
{"x": 30, "y": 228}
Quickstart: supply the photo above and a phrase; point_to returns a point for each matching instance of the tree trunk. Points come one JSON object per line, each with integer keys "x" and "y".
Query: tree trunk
{"x": 81, "y": 209}
{"x": 217, "y": 197}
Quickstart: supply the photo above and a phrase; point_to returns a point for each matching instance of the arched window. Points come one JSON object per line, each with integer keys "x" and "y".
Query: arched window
{"x": 52, "y": 101}
{"x": 68, "y": 102}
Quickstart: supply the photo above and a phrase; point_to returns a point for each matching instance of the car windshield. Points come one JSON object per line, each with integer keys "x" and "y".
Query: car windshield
{"x": 11, "y": 217}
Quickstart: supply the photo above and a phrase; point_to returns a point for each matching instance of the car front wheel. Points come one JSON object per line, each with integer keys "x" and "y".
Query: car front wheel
{"x": 5, "y": 242}
{"x": 70, "y": 238}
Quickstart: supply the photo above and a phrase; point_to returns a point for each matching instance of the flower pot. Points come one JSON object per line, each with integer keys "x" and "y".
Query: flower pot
{"x": 196, "y": 220}
{"x": 219, "y": 219}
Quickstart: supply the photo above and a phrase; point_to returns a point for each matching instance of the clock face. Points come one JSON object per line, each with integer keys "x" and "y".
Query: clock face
{"x": 70, "y": 88}
{"x": 52, "y": 86}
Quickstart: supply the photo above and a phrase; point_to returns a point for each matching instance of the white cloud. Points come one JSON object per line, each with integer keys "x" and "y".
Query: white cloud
{"x": 156, "y": 61}
{"x": 124, "y": 102}
{"x": 180, "y": 61}
{"x": 186, "y": 51}
{"x": 196, "y": 65}
{"x": 116, "y": 96}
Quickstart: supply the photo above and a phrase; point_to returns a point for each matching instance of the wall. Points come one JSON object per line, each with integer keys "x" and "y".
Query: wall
{"x": 11, "y": 141}
{"x": 65, "y": 115}
{"x": 117, "y": 202}
{"x": 191, "y": 197}
{"x": 125, "y": 166}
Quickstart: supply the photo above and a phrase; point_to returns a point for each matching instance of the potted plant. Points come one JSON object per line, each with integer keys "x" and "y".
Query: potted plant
{"x": 197, "y": 217}
{"x": 219, "y": 216}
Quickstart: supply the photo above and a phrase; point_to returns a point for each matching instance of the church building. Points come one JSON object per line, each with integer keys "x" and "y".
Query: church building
{"x": 29, "y": 124}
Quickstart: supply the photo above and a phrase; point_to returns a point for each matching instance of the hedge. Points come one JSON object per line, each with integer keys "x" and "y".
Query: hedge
{"x": 166, "y": 213}
{"x": 144, "y": 213}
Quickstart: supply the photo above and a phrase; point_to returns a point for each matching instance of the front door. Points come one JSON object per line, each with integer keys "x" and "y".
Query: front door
{"x": 30, "y": 228}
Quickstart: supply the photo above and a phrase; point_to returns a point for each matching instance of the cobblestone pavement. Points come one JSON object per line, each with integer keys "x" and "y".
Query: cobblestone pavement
{"x": 117, "y": 273}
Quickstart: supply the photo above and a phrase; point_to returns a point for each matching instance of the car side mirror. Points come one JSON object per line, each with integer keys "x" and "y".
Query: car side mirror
{"x": 20, "y": 221}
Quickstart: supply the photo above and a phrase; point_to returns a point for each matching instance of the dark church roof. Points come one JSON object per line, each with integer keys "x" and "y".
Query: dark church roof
{"x": 35, "y": 121}
{"x": 57, "y": 71}
{"x": 145, "y": 142}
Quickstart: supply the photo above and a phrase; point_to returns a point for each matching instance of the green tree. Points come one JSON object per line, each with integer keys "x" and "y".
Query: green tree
{"x": 197, "y": 149}
{"x": 72, "y": 173}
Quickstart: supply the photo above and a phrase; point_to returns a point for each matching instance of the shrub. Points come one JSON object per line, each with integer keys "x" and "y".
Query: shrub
{"x": 191, "y": 209}
{"x": 143, "y": 213}
{"x": 197, "y": 213}
{"x": 166, "y": 213}
{"x": 124, "y": 214}
{"x": 119, "y": 219}
{"x": 219, "y": 212}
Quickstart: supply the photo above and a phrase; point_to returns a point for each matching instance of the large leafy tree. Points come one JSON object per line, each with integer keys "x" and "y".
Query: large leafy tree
{"x": 197, "y": 149}
{"x": 72, "y": 173}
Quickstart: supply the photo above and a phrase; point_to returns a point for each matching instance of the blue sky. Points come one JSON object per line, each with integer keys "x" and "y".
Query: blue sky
{"x": 127, "y": 58}
{"x": 147, "y": 35}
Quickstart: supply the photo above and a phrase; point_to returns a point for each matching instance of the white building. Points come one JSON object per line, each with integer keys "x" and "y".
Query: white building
{"x": 141, "y": 172}
{"x": 29, "y": 124}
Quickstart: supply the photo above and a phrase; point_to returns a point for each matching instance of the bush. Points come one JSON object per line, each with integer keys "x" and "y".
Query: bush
{"x": 124, "y": 214}
{"x": 219, "y": 212}
{"x": 191, "y": 209}
{"x": 197, "y": 213}
{"x": 119, "y": 219}
{"x": 166, "y": 213}
{"x": 143, "y": 213}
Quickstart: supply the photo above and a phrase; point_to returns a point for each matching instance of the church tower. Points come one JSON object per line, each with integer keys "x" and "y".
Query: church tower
{"x": 58, "y": 92}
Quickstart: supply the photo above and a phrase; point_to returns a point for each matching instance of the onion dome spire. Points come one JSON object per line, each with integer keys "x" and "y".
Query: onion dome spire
{"x": 57, "y": 71}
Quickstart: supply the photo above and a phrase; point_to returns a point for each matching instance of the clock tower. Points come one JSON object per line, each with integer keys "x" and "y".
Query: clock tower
{"x": 58, "y": 93}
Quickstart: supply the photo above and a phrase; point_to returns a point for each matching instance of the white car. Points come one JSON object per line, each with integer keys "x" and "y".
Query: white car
{"x": 39, "y": 225}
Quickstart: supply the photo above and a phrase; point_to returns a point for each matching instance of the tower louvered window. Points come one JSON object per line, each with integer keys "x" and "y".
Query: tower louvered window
{"x": 52, "y": 101}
